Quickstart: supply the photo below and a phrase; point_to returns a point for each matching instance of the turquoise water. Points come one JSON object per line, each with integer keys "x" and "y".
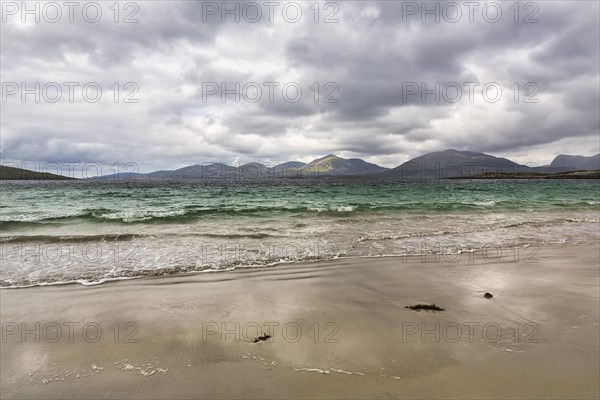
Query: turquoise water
{"x": 96, "y": 231}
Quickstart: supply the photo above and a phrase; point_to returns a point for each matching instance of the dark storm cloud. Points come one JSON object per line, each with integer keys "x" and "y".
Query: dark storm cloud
{"x": 370, "y": 55}
{"x": 107, "y": 42}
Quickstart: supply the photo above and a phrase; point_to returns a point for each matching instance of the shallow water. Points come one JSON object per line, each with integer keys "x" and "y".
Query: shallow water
{"x": 91, "y": 231}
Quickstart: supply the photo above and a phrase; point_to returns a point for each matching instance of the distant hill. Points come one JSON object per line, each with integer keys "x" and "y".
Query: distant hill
{"x": 208, "y": 171}
{"x": 452, "y": 163}
{"x": 11, "y": 173}
{"x": 326, "y": 166}
{"x": 334, "y": 165}
{"x": 431, "y": 166}
{"x": 120, "y": 176}
{"x": 588, "y": 174}
{"x": 254, "y": 170}
{"x": 577, "y": 162}
{"x": 290, "y": 168}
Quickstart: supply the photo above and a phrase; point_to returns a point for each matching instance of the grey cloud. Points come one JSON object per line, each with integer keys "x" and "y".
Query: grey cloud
{"x": 368, "y": 54}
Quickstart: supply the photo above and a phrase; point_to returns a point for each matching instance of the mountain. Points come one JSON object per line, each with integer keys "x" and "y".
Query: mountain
{"x": 288, "y": 168}
{"x": 432, "y": 166}
{"x": 120, "y": 176}
{"x": 11, "y": 173}
{"x": 208, "y": 171}
{"x": 577, "y": 162}
{"x": 450, "y": 164}
{"x": 254, "y": 170}
{"x": 334, "y": 165}
{"x": 326, "y": 166}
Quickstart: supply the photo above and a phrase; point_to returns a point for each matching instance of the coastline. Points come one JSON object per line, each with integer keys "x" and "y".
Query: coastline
{"x": 339, "y": 328}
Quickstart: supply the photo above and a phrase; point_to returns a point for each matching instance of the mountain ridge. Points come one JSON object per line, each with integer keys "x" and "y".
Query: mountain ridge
{"x": 450, "y": 163}
{"x": 576, "y": 161}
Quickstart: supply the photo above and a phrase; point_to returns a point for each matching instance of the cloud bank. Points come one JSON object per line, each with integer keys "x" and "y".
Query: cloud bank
{"x": 383, "y": 81}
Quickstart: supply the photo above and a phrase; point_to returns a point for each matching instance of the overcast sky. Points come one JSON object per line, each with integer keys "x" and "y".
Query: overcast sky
{"x": 371, "y": 61}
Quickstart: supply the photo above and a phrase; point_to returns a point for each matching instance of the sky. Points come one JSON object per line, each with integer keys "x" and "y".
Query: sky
{"x": 384, "y": 81}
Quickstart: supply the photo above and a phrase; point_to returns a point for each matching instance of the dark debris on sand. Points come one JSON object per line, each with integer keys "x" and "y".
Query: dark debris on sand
{"x": 488, "y": 295}
{"x": 262, "y": 338}
{"x": 427, "y": 307}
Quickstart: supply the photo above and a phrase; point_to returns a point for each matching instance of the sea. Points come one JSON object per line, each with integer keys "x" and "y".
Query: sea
{"x": 94, "y": 231}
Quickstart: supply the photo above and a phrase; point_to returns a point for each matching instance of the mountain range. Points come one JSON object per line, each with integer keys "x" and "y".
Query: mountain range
{"x": 329, "y": 165}
{"x": 577, "y": 162}
{"x": 431, "y": 166}
{"x": 437, "y": 165}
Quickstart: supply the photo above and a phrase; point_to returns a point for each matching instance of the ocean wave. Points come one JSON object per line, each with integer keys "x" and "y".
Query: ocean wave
{"x": 156, "y": 263}
{"x": 547, "y": 223}
{"x": 490, "y": 203}
{"x": 383, "y": 236}
{"x": 111, "y": 275}
{"x": 83, "y": 282}
{"x": 126, "y": 217}
{"x": 192, "y": 213}
{"x": 386, "y": 236}
{"x": 181, "y": 215}
{"x": 171, "y": 271}
{"x": 257, "y": 235}
{"x": 121, "y": 237}
{"x": 332, "y": 208}
{"x": 70, "y": 238}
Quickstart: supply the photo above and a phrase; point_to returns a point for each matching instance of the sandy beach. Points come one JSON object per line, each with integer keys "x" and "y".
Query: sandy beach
{"x": 338, "y": 329}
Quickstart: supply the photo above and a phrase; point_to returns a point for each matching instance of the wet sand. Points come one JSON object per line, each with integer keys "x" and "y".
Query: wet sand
{"x": 339, "y": 329}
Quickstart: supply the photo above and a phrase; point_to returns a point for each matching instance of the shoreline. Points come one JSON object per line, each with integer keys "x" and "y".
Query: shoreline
{"x": 338, "y": 328}
{"x": 404, "y": 258}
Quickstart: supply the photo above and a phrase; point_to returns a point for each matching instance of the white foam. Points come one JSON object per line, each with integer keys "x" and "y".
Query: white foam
{"x": 321, "y": 371}
{"x": 341, "y": 371}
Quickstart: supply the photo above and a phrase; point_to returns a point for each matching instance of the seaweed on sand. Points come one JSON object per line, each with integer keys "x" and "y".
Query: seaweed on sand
{"x": 262, "y": 338}
{"x": 426, "y": 307}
